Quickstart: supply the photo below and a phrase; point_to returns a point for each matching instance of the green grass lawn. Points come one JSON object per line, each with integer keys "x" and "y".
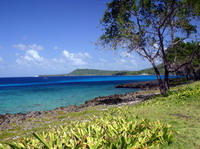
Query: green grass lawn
{"x": 179, "y": 108}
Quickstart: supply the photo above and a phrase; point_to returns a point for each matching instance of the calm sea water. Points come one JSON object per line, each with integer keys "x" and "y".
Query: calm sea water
{"x": 25, "y": 94}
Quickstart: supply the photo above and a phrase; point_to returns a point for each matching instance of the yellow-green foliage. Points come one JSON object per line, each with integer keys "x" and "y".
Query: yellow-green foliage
{"x": 114, "y": 129}
{"x": 183, "y": 94}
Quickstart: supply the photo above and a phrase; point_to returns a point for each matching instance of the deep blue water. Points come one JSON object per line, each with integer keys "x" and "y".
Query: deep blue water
{"x": 25, "y": 94}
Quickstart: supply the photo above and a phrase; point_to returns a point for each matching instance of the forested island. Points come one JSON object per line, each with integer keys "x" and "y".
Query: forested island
{"x": 96, "y": 72}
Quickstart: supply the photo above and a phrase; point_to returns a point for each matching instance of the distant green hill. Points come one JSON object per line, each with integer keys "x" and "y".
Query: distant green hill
{"x": 92, "y": 72}
{"x": 95, "y": 72}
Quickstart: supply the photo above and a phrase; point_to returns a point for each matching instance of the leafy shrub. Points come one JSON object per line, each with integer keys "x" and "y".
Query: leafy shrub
{"x": 112, "y": 130}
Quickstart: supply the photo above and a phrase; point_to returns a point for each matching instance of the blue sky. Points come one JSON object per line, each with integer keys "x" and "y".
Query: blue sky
{"x": 55, "y": 37}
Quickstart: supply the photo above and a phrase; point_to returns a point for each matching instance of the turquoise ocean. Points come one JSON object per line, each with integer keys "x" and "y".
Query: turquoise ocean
{"x": 26, "y": 94}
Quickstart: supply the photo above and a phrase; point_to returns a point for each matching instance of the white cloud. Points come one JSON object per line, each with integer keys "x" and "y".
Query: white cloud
{"x": 1, "y": 60}
{"x": 134, "y": 62}
{"x": 32, "y": 61}
{"x": 76, "y": 58}
{"x": 58, "y": 60}
{"x": 125, "y": 54}
{"x": 123, "y": 61}
{"x": 103, "y": 60}
{"x": 55, "y": 48}
{"x": 33, "y": 46}
{"x": 17, "y": 54}
{"x": 83, "y": 55}
{"x": 31, "y": 57}
{"x": 2, "y": 66}
{"x": 156, "y": 46}
{"x": 128, "y": 58}
{"x": 20, "y": 46}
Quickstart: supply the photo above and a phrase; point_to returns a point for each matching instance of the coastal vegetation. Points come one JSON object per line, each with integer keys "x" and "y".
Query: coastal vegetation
{"x": 96, "y": 72}
{"x": 114, "y": 129}
{"x": 80, "y": 72}
{"x": 165, "y": 121}
{"x": 152, "y": 28}
{"x": 186, "y": 52}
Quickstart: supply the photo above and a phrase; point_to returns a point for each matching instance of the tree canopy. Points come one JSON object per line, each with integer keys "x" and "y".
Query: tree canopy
{"x": 150, "y": 28}
{"x": 186, "y": 52}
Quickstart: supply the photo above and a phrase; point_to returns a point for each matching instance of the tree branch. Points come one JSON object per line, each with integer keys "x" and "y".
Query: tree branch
{"x": 173, "y": 44}
{"x": 186, "y": 63}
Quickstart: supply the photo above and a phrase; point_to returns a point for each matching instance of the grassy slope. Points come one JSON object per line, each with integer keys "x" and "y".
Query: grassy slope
{"x": 180, "y": 108}
{"x": 180, "y": 111}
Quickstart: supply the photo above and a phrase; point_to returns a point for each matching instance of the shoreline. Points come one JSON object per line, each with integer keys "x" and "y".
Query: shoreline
{"x": 19, "y": 119}
{"x": 129, "y": 98}
{"x": 159, "y": 108}
{"x": 33, "y": 119}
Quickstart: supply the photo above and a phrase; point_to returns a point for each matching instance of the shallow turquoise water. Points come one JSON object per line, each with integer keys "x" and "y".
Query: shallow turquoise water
{"x": 22, "y": 95}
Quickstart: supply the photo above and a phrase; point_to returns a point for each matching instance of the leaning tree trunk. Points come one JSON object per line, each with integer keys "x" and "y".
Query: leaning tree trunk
{"x": 195, "y": 76}
{"x": 161, "y": 84}
{"x": 166, "y": 78}
{"x": 198, "y": 73}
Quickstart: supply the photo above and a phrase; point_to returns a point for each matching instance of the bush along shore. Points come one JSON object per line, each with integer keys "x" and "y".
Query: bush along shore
{"x": 165, "y": 121}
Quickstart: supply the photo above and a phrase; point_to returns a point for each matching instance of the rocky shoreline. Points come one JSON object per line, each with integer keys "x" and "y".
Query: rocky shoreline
{"x": 28, "y": 120}
{"x": 141, "y": 85}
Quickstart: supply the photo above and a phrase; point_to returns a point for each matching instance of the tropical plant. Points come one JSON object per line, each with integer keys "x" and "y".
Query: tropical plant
{"x": 115, "y": 129}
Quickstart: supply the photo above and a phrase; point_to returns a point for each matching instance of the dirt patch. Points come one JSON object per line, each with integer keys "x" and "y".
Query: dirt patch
{"x": 179, "y": 115}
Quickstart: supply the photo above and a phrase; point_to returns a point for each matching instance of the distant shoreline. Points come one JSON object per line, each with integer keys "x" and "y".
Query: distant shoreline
{"x": 96, "y": 72}
{"x": 90, "y": 75}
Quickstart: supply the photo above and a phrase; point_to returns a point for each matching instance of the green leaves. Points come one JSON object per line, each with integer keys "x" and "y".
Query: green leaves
{"x": 112, "y": 130}
{"x": 42, "y": 140}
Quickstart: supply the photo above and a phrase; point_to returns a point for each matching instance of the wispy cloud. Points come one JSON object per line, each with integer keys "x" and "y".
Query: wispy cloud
{"x": 33, "y": 46}
{"x": 20, "y": 46}
{"x": 125, "y": 54}
{"x": 76, "y": 58}
{"x": 129, "y": 58}
{"x": 32, "y": 61}
{"x": 1, "y": 60}
{"x": 55, "y": 48}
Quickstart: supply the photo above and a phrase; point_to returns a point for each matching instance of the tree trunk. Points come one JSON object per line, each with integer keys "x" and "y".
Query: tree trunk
{"x": 198, "y": 74}
{"x": 161, "y": 84}
{"x": 186, "y": 76}
{"x": 166, "y": 78}
{"x": 195, "y": 77}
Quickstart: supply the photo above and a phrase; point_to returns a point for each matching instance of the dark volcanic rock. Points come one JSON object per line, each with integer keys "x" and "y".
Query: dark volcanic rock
{"x": 70, "y": 108}
{"x": 142, "y": 85}
{"x": 34, "y": 114}
{"x": 114, "y": 99}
